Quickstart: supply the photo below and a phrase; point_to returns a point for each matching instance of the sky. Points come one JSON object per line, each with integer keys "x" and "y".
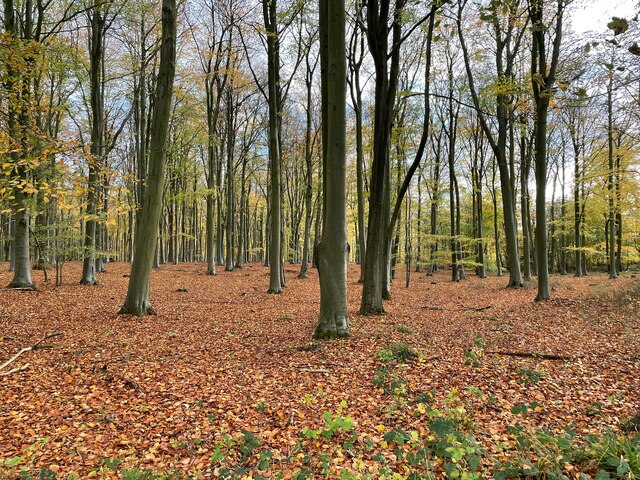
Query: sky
{"x": 595, "y": 14}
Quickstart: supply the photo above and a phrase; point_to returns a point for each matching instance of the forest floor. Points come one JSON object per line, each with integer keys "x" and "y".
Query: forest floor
{"x": 225, "y": 380}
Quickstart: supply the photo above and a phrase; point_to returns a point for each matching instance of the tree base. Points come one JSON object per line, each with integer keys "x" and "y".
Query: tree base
{"x": 137, "y": 311}
{"x": 332, "y": 326}
{"x": 22, "y": 286}
{"x": 274, "y": 290}
{"x": 88, "y": 282}
{"x": 372, "y": 311}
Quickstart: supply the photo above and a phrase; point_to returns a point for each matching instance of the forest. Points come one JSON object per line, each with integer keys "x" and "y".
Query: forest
{"x": 255, "y": 239}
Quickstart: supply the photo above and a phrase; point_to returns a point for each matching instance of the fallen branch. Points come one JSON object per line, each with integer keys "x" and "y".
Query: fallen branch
{"x": 461, "y": 309}
{"x": 35, "y": 346}
{"x": 477, "y": 309}
{"x": 544, "y": 356}
{"x": 315, "y": 370}
{"x": 17, "y": 369}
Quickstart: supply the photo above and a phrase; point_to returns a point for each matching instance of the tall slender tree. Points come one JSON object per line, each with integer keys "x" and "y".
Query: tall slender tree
{"x": 332, "y": 251}
{"x": 137, "y": 301}
{"x": 508, "y": 35}
{"x": 543, "y": 78}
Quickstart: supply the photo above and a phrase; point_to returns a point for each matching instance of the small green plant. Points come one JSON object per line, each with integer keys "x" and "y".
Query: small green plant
{"x": 544, "y": 454}
{"x": 475, "y": 352}
{"x": 385, "y": 355}
{"x": 307, "y": 400}
{"x": 380, "y": 377}
{"x": 523, "y": 408}
{"x": 403, "y": 352}
{"x": 397, "y": 351}
{"x": 530, "y": 376}
{"x": 333, "y": 424}
{"x": 403, "y": 329}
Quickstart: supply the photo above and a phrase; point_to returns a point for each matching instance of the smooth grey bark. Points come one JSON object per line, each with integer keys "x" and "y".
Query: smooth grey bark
{"x": 308, "y": 158}
{"x": 230, "y": 220}
{"x": 434, "y": 202}
{"x": 22, "y": 266}
{"x": 543, "y": 77}
{"x": 477, "y": 171}
{"x": 496, "y": 230}
{"x": 563, "y": 213}
{"x": 356, "y": 57}
{"x": 137, "y": 301}
{"x": 275, "y": 161}
{"x": 525, "y": 169}
{"x": 215, "y": 64}
{"x": 418, "y": 224}
{"x": 618, "y": 203}
{"x": 96, "y": 58}
{"x": 333, "y": 247}
{"x": 611, "y": 231}
{"x": 454, "y": 205}
{"x": 577, "y": 220}
{"x": 16, "y": 123}
{"x": 386, "y": 82}
{"x": 382, "y": 220}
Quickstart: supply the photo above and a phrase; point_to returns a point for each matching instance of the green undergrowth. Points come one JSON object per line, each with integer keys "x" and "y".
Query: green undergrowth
{"x": 443, "y": 441}
{"x": 447, "y": 447}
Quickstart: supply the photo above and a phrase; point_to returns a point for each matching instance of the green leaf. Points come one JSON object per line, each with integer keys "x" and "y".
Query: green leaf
{"x": 618, "y": 25}
{"x": 13, "y": 461}
{"x": 520, "y": 409}
{"x": 442, "y": 427}
{"x": 623, "y": 467}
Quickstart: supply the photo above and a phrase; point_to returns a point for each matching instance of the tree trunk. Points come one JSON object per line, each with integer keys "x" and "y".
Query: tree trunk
{"x": 543, "y": 75}
{"x": 611, "y": 248}
{"x": 333, "y": 248}
{"x": 97, "y": 126}
{"x": 308, "y": 157}
{"x": 137, "y": 301}
{"x": 275, "y": 163}
{"x": 230, "y": 222}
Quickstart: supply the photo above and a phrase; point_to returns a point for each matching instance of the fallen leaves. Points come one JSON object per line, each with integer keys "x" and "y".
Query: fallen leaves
{"x": 223, "y": 356}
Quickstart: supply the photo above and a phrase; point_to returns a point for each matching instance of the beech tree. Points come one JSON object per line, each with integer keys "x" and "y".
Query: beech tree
{"x": 18, "y": 86}
{"x": 137, "y": 301}
{"x": 508, "y": 32}
{"x": 332, "y": 250}
{"x": 543, "y": 77}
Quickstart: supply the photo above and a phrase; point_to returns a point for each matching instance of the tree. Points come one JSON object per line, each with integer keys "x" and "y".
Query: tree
{"x": 311, "y": 64}
{"x": 137, "y": 301}
{"x": 18, "y": 87}
{"x": 332, "y": 251}
{"x": 97, "y": 29}
{"x": 543, "y": 78}
{"x": 383, "y": 22}
{"x": 275, "y": 161}
{"x": 508, "y": 35}
{"x": 356, "y": 57}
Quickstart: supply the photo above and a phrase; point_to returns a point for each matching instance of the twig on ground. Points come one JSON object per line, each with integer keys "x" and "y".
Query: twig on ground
{"x": 544, "y": 356}
{"x": 36, "y": 346}
{"x": 315, "y": 370}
